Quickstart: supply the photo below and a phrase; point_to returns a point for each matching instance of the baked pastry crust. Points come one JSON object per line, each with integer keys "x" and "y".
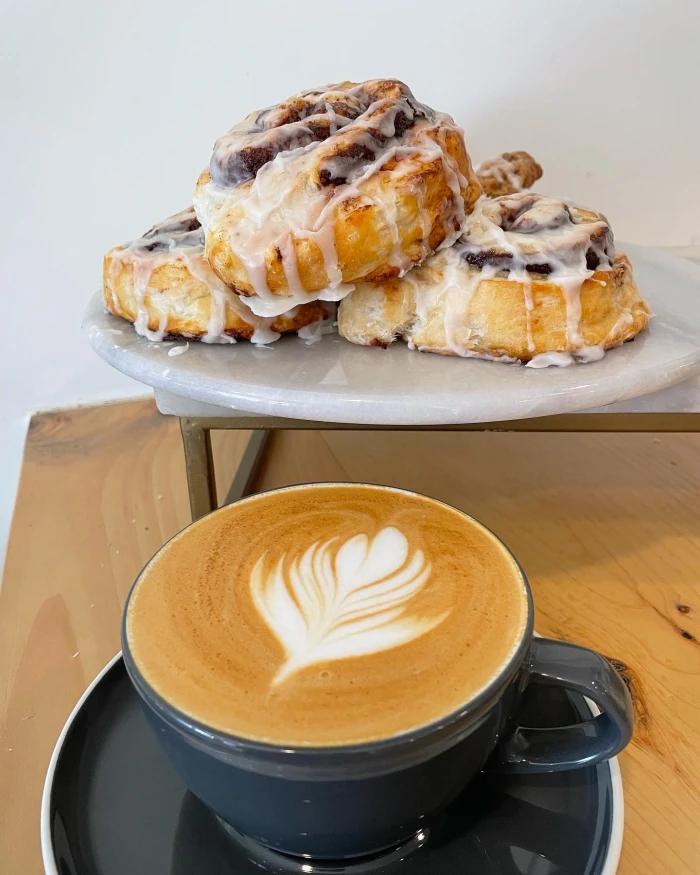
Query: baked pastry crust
{"x": 510, "y": 173}
{"x": 339, "y": 184}
{"x": 554, "y": 286}
{"x": 165, "y": 286}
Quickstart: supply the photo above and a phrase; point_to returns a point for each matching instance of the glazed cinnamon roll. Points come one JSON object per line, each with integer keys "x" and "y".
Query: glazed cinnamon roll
{"x": 339, "y": 184}
{"x": 164, "y": 285}
{"x": 532, "y": 279}
{"x": 510, "y": 173}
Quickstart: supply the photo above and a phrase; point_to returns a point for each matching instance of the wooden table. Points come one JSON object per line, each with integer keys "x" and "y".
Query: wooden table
{"x": 607, "y": 527}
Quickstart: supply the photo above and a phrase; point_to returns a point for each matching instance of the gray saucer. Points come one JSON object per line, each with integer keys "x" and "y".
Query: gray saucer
{"x": 113, "y": 805}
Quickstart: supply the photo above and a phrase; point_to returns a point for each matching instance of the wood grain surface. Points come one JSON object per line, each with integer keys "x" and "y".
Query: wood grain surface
{"x": 607, "y": 528}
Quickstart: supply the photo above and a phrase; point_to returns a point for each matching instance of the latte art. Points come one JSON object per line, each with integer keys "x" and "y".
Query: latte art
{"x": 336, "y": 602}
{"x": 325, "y": 615}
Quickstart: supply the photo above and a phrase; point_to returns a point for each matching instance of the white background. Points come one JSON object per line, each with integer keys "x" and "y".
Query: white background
{"x": 109, "y": 111}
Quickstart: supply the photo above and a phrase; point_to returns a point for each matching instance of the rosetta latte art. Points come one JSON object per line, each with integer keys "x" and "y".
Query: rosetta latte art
{"x": 337, "y": 602}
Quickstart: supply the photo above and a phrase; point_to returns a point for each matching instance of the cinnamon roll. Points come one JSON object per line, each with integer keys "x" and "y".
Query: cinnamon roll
{"x": 339, "y": 184}
{"x": 532, "y": 279}
{"x": 510, "y": 173}
{"x": 164, "y": 285}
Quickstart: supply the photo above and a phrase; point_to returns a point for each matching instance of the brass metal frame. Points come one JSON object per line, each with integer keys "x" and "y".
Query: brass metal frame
{"x": 199, "y": 463}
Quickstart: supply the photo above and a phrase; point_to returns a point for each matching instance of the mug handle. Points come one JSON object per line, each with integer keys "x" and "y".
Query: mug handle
{"x": 557, "y": 749}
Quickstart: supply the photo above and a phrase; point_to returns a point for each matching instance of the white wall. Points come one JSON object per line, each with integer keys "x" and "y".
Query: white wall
{"x": 109, "y": 111}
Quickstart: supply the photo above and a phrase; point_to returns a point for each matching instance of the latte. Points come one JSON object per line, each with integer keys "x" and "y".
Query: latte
{"x": 326, "y": 614}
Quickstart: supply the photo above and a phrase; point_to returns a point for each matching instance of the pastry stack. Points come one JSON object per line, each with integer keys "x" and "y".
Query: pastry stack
{"x": 359, "y": 194}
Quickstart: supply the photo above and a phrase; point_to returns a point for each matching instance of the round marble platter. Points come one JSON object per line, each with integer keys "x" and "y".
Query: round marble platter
{"x": 336, "y": 381}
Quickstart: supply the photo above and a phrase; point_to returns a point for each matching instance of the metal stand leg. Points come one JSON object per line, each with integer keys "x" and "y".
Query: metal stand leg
{"x": 199, "y": 466}
{"x": 242, "y": 483}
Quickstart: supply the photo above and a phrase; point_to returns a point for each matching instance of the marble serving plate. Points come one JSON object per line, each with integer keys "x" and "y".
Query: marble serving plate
{"x": 335, "y": 381}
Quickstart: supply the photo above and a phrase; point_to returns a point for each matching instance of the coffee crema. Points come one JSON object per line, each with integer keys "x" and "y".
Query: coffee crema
{"x": 326, "y": 615}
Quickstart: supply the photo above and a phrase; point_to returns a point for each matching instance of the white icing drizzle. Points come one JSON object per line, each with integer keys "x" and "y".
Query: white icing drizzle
{"x": 180, "y": 240}
{"x": 179, "y": 350}
{"x": 325, "y": 240}
{"x": 456, "y": 181}
{"x": 526, "y": 234}
{"x": 209, "y": 198}
{"x": 290, "y": 265}
{"x": 141, "y": 278}
{"x": 426, "y": 224}
{"x": 624, "y": 320}
{"x": 529, "y": 307}
{"x": 313, "y": 333}
{"x": 571, "y": 289}
{"x": 566, "y": 359}
{"x": 521, "y": 238}
{"x": 333, "y": 121}
{"x": 259, "y": 207}
{"x": 199, "y": 267}
{"x": 589, "y": 353}
{"x": 453, "y": 294}
{"x": 551, "y": 359}
{"x": 263, "y": 334}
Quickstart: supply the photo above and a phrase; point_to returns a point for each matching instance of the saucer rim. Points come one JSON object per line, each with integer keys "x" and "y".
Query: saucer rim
{"x": 47, "y": 852}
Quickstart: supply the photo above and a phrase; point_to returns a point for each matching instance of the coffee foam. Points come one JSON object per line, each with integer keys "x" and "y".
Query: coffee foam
{"x": 343, "y": 599}
{"x": 327, "y": 614}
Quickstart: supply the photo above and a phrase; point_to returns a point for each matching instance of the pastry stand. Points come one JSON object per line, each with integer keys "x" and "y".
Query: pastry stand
{"x": 650, "y": 385}
{"x": 671, "y": 410}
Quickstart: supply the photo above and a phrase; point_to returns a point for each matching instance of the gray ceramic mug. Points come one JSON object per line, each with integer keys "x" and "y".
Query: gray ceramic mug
{"x": 336, "y": 802}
